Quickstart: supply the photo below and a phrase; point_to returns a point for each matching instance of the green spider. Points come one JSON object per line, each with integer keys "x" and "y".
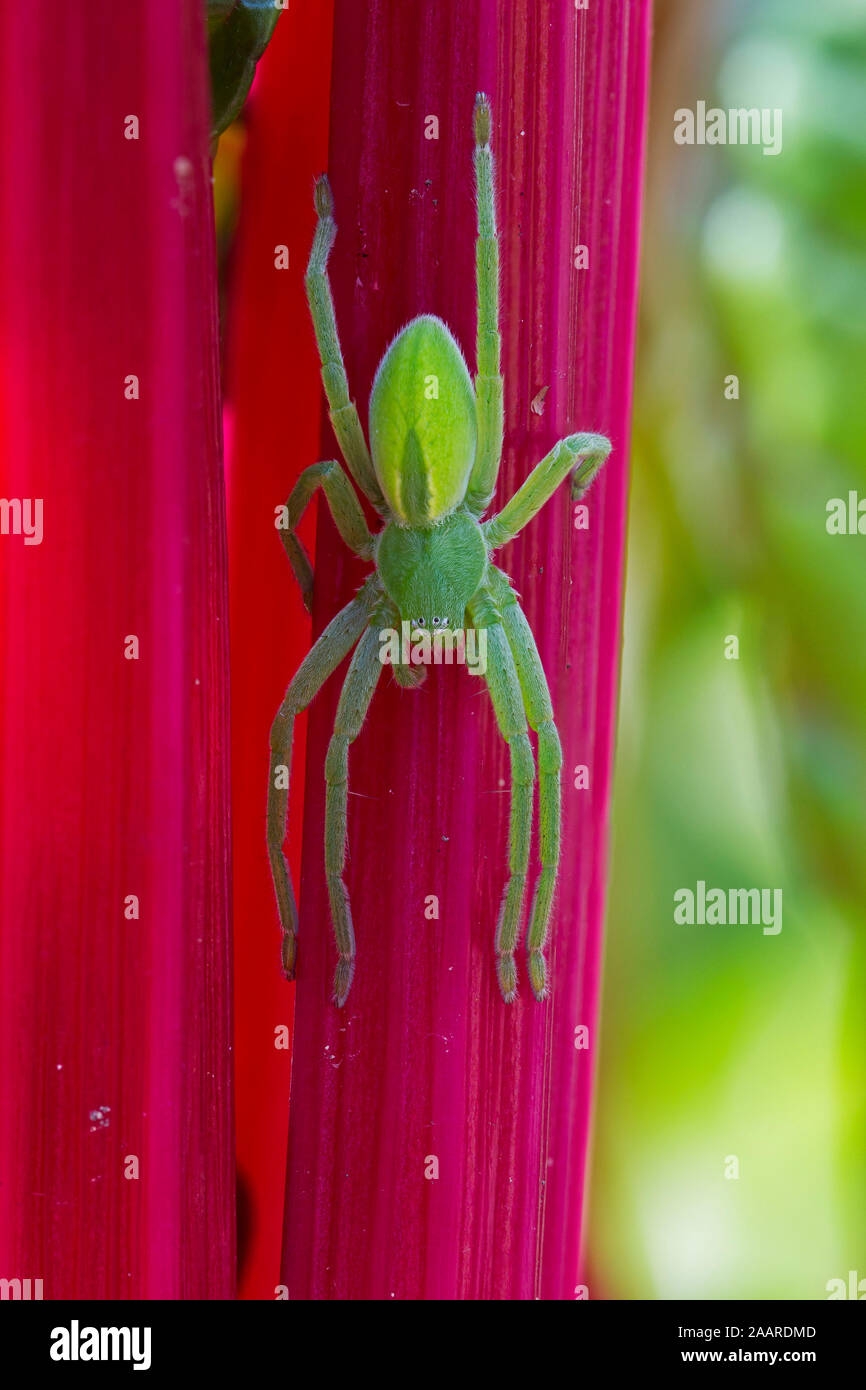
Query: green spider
{"x": 436, "y": 448}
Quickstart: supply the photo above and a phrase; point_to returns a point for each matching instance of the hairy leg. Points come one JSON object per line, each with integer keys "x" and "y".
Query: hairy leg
{"x": 539, "y": 709}
{"x": 543, "y": 481}
{"x": 360, "y": 683}
{"x": 504, "y": 687}
{"x": 488, "y": 382}
{"x": 321, "y": 661}
{"x": 345, "y": 509}
{"x": 344, "y": 415}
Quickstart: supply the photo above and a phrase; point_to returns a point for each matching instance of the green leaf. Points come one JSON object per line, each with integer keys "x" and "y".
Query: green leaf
{"x": 238, "y": 34}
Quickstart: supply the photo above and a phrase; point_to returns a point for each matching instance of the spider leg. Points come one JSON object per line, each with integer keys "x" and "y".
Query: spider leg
{"x": 488, "y": 382}
{"x": 321, "y": 661}
{"x": 504, "y": 687}
{"x": 360, "y": 683}
{"x": 345, "y": 509}
{"x": 539, "y": 709}
{"x": 344, "y": 415}
{"x": 543, "y": 481}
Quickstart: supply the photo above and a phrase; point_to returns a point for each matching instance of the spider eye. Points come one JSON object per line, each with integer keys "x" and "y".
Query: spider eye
{"x": 417, "y": 622}
{"x": 436, "y": 622}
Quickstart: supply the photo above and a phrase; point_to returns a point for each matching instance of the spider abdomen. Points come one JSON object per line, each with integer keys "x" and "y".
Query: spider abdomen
{"x": 422, "y": 423}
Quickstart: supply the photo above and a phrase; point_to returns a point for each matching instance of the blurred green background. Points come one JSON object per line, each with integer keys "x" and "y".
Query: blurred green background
{"x": 719, "y": 1041}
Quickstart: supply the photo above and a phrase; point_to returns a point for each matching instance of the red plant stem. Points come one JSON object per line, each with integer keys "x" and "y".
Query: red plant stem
{"x": 426, "y": 1061}
{"x": 272, "y": 378}
{"x": 115, "y": 1031}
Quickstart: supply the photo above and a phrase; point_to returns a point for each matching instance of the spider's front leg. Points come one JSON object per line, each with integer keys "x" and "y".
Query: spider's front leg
{"x": 504, "y": 687}
{"x": 580, "y": 454}
{"x": 360, "y": 683}
{"x": 488, "y": 382}
{"x": 344, "y": 413}
{"x": 337, "y": 640}
{"x": 345, "y": 509}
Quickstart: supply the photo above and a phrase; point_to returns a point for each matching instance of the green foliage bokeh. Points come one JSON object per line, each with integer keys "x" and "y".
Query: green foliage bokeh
{"x": 721, "y": 1043}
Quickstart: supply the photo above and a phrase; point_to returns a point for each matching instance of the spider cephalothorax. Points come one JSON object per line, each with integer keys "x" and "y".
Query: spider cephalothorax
{"x": 431, "y": 573}
{"x": 430, "y": 473}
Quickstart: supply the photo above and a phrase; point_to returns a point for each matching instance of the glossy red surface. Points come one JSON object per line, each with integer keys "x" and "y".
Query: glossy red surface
{"x": 116, "y": 1157}
{"x": 273, "y": 393}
